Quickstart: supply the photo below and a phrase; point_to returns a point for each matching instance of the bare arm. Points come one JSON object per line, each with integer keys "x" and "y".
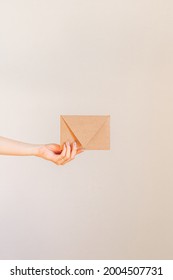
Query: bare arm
{"x": 53, "y": 152}
{"x": 15, "y": 148}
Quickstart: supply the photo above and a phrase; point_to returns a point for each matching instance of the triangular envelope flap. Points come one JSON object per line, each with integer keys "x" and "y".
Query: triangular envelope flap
{"x": 84, "y": 127}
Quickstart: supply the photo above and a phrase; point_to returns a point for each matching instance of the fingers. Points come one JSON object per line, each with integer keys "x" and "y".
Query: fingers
{"x": 68, "y": 153}
{"x": 80, "y": 151}
{"x": 72, "y": 153}
{"x": 74, "y": 150}
{"x": 59, "y": 158}
{"x": 65, "y": 155}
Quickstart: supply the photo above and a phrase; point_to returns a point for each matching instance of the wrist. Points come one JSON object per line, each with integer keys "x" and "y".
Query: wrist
{"x": 35, "y": 150}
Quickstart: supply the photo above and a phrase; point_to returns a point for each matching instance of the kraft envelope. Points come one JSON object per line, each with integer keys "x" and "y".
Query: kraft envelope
{"x": 89, "y": 132}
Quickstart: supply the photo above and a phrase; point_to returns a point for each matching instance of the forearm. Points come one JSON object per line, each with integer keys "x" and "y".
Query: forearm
{"x": 56, "y": 153}
{"x": 16, "y": 148}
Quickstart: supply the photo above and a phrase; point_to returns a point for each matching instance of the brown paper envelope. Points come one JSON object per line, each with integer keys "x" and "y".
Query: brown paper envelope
{"x": 89, "y": 132}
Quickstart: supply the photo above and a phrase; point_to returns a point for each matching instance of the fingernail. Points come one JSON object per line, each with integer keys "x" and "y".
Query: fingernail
{"x": 68, "y": 143}
{"x": 75, "y": 144}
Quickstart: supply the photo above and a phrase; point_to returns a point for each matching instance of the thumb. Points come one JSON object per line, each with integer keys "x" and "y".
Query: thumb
{"x": 57, "y": 149}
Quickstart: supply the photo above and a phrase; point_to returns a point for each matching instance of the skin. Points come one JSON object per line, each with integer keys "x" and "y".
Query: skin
{"x": 55, "y": 153}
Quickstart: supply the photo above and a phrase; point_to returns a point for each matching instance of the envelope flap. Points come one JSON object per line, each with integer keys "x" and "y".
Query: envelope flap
{"x": 84, "y": 127}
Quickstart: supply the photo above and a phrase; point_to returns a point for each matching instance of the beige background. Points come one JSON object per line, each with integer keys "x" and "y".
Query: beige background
{"x": 88, "y": 57}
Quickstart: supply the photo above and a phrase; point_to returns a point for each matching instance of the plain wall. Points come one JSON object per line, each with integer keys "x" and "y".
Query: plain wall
{"x": 88, "y": 57}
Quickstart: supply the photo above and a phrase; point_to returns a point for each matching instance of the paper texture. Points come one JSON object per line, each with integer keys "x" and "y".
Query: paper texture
{"x": 89, "y": 132}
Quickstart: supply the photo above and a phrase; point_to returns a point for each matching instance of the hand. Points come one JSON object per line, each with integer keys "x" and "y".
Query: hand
{"x": 57, "y": 154}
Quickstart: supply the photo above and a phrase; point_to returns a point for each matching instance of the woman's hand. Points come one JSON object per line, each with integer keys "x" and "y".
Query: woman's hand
{"x": 58, "y": 155}
{"x": 53, "y": 152}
